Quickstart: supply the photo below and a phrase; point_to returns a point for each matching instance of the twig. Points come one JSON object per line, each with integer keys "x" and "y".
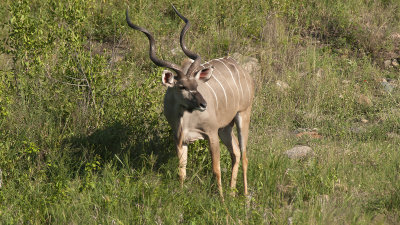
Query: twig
{"x": 90, "y": 94}
{"x": 59, "y": 81}
{"x": 73, "y": 78}
{"x": 111, "y": 63}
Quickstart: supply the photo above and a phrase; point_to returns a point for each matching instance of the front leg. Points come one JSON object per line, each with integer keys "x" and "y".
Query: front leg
{"x": 215, "y": 156}
{"x": 182, "y": 151}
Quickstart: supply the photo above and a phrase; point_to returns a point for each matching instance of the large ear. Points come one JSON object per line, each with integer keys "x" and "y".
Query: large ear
{"x": 168, "y": 78}
{"x": 204, "y": 74}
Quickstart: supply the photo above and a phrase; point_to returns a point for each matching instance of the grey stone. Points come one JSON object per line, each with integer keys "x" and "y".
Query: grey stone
{"x": 358, "y": 129}
{"x": 290, "y": 220}
{"x": 387, "y": 86}
{"x": 387, "y": 63}
{"x": 299, "y": 152}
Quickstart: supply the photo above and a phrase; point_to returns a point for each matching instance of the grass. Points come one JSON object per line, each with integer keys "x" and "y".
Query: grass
{"x": 83, "y": 139}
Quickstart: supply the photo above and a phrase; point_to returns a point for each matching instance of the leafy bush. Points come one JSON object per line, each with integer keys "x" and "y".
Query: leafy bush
{"x": 83, "y": 138}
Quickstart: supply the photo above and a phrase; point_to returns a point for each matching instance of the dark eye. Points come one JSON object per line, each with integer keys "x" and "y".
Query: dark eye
{"x": 182, "y": 87}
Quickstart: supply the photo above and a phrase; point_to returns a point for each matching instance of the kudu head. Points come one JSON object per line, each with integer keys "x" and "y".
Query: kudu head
{"x": 185, "y": 81}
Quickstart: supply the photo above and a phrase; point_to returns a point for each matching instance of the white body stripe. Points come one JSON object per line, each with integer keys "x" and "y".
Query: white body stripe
{"x": 216, "y": 98}
{"x": 234, "y": 81}
{"x": 220, "y": 78}
{"x": 226, "y": 98}
{"x": 233, "y": 93}
{"x": 247, "y": 83}
{"x": 239, "y": 80}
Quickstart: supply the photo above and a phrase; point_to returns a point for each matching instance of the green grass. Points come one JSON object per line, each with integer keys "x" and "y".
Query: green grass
{"x": 83, "y": 139}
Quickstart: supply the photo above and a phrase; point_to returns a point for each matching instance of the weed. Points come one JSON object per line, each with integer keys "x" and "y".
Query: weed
{"x": 83, "y": 138}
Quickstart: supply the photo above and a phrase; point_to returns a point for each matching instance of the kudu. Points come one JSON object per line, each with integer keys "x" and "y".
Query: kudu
{"x": 204, "y": 101}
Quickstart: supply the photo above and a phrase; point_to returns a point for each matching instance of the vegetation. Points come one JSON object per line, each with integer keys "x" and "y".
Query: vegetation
{"x": 83, "y": 139}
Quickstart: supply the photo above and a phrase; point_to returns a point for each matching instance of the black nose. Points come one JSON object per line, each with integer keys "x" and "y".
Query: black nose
{"x": 200, "y": 100}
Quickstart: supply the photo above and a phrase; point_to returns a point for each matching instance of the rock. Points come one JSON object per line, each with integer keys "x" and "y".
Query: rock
{"x": 250, "y": 64}
{"x": 282, "y": 85}
{"x": 395, "y": 63}
{"x": 364, "y": 100}
{"x": 388, "y": 87}
{"x": 358, "y": 129}
{"x": 299, "y": 152}
{"x": 290, "y": 221}
{"x": 387, "y": 63}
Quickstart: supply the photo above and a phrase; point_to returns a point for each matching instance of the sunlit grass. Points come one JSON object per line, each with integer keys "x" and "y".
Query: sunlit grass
{"x": 83, "y": 139}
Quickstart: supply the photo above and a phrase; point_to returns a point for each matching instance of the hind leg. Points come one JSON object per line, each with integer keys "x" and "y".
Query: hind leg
{"x": 242, "y": 121}
{"x": 230, "y": 141}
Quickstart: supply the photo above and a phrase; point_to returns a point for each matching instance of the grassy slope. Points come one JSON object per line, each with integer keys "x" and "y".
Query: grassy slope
{"x": 83, "y": 139}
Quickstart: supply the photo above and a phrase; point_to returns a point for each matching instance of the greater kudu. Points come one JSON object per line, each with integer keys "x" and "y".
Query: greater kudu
{"x": 204, "y": 101}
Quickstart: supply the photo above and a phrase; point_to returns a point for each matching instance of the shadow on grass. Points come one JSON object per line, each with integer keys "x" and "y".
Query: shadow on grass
{"x": 118, "y": 141}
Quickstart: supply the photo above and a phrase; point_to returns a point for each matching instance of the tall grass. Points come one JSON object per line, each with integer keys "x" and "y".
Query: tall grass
{"x": 83, "y": 139}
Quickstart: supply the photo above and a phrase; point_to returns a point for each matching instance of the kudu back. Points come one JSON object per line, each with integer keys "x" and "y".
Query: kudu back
{"x": 205, "y": 101}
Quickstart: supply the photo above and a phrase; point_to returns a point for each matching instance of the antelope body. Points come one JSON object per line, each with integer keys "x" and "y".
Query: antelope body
{"x": 205, "y": 101}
